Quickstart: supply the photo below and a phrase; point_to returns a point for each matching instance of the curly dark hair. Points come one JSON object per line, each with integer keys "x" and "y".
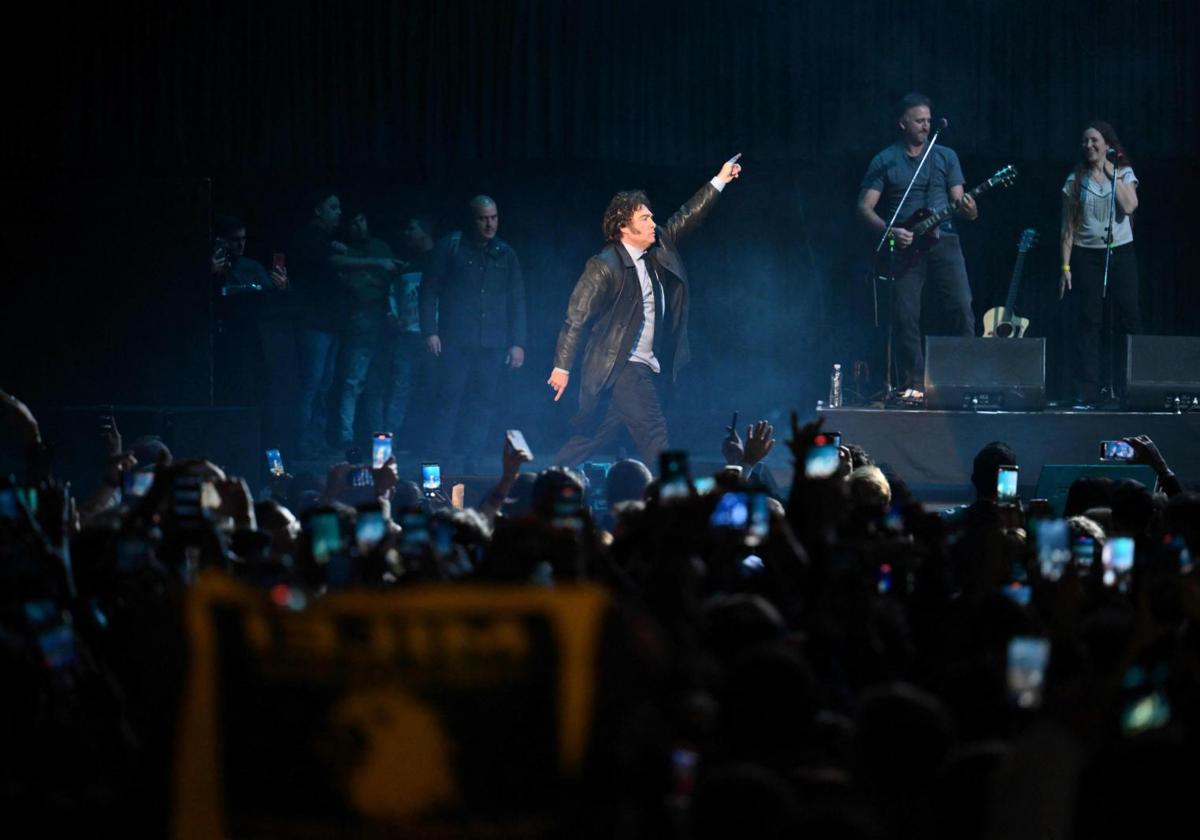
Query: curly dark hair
{"x": 620, "y": 212}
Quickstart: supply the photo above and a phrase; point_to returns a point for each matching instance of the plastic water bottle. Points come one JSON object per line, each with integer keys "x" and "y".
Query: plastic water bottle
{"x": 835, "y": 387}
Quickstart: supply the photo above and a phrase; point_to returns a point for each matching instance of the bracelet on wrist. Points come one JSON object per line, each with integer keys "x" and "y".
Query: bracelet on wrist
{"x": 1066, "y": 268}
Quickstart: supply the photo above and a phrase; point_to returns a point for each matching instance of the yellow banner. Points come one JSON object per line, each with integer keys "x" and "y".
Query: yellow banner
{"x": 424, "y": 709}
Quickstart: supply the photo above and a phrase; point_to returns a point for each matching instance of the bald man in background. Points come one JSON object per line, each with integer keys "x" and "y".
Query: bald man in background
{"x": 473, "y": 319}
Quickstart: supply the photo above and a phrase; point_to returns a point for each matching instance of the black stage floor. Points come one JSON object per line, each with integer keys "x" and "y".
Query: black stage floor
{"x": 933, "y": 450}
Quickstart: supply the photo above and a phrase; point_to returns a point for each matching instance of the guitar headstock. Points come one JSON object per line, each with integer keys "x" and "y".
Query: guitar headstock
{"x": 1029, "y": 238}
{"x": 1004, "y": 177}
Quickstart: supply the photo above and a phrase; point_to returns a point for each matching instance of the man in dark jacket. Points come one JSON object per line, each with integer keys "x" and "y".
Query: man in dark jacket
{"x": 472, "y": 303}
{"x": 631, "y": 303}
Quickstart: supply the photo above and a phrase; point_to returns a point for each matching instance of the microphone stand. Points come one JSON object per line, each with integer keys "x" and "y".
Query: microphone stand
{"x": 890, "y": 239}
{"x": 1108, "y": 249}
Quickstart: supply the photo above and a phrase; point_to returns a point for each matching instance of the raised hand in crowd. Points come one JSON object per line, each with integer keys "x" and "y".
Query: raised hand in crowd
{"x": 511, "y": 460}
{"x": 385, "y": 478}
{"x": 732, "y": 448}
{"x": 803, "y": 436}
{"x": 110, "y": 434}
{"x": 236, "y": 502}
{"x": 760, "y": 440}
{"x": 1145, "y": 451}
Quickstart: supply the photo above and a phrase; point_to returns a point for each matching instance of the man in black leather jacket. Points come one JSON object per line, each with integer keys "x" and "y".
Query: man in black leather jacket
{"x": 630, "y": 310}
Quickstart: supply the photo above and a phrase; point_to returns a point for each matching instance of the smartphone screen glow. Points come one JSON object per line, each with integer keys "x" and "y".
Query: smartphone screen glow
{"x": 381, "y": 449}
{"x": 431, "y": 476}
{"x": 822, "y": 461}
{"x": 1027, "y": 660}
{"x": 1006, "y": 483}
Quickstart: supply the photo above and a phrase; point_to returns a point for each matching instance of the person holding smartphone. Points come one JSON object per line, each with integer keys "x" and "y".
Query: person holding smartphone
{"x": 236, "y": 271}
{"x": 629, "y": 313}
{"x": 252, "y": 346}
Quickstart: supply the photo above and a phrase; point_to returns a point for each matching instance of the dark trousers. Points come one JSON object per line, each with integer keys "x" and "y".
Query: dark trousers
{"x": 1087, "y": 311}
{"x": 944, "y": 268}
{"x": 632, "y": 402}
{"x": 317, "y": 351}
{"x": 390, "y": 382}
{"x": 470, "y": 379}
{"x": 361, "y": 338}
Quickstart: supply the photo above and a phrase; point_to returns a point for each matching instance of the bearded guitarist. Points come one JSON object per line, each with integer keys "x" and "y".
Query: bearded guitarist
{"x": 939, "y": 186}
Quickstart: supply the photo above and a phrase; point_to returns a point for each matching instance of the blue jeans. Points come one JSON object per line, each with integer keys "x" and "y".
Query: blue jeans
{"x": 317, "y": 350}
{"x": 390, "y": 382}
{"x": 360, "y": 344}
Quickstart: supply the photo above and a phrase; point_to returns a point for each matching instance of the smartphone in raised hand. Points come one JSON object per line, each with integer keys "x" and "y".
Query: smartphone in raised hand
{"x": 431, "y": 478}
{"x": 1116, "y": 450}
{"x": 1028, "y": 657}
{"x": 674, "y": 475}
{"x": 823, "y": 458}
{"x": 1006, "y": 483}
{"x": 381, "y": 449}
{"x": 517, "y": 440}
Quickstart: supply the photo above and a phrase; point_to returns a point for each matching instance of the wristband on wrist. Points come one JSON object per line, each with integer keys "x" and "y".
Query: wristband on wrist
{"x": 1066, "y": 268}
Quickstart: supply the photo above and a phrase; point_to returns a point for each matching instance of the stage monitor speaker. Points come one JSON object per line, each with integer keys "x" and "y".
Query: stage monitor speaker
{"x": 1162, "y": 373}
{"x": 1006, "y": 374}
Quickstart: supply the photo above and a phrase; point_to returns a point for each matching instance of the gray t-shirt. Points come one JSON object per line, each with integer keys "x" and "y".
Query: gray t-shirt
{"x": 891, "y": 170}
{"x": 1097, "y": 200}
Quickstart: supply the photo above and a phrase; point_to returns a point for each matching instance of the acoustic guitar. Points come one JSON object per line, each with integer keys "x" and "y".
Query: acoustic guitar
{"x": 923, "y": 224}
{"x": 1002, "y": 321}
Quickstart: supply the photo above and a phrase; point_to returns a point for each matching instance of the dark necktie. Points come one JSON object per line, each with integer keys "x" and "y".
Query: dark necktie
{"x": 659, "y": 305}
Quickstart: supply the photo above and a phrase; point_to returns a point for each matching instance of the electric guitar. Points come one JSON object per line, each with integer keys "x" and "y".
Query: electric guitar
{"x": 1002, "y": 321}
{"x": 923, "y": 225}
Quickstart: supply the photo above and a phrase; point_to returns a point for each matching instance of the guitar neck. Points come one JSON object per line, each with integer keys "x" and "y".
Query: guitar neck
{"x": 930, "y": 222}
{"x": 1015, "y": 283}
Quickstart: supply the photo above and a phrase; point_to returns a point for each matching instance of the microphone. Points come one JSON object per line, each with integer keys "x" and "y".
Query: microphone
{"x": 942, "y": 123}
{"x": 1111, "y": 154}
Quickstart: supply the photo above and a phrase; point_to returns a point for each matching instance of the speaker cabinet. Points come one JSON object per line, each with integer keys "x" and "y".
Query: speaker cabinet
{"x": 1162, "y": 373}
{"x": 1006, "y": 374}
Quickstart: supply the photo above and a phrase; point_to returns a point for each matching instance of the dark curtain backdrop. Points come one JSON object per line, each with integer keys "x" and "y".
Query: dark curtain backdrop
{"x": 207, "y": 86}
{"x": 129, "y": 123}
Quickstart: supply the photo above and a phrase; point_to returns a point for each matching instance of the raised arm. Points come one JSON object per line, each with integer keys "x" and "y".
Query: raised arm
{"x": 693, "y": 211}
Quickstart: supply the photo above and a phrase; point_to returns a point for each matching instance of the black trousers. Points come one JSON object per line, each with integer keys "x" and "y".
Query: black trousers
{"x": 943, "y": 266}
{"x": 1086, "y": 308}
{"x": 470, "y": 382}
{"x": 633, "y": 402}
